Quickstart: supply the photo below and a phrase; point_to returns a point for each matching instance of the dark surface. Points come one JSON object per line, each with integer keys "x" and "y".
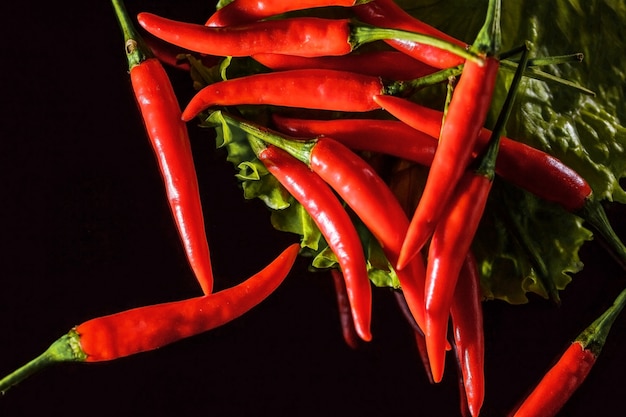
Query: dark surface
{"x": 86, "y": 231}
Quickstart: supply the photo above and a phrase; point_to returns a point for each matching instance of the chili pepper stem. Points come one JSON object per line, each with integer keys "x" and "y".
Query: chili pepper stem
{"x": 65, "y": 349}
{"x": 594, "y": 336}
{"x": 362, "y": 34}
{"x": 593, "y": 213}
{"x": 136, "y": 49}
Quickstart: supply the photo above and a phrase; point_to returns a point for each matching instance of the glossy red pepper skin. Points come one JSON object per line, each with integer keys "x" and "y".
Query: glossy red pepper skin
{"x": 386, "y": 13}
{"x": 306, "y": 36}
{"x": 306, "y": 88}
{"x": 358, "y": 184}
{"x": 469, "y": 339}
{"x": 527, "y": 167}
{"x": 389, "y": 65}
{"x": 169, "y": 138}
{"x": 448, "y": 249}
{"x": 572, "y": 368}
{"x": 310, "y": 190}
{"x": 247, "y": 11}
{"x": 466, "y": 116}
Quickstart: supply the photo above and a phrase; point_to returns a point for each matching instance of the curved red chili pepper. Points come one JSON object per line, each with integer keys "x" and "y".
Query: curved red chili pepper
{"x": 246, "y": 11}
{"x": 334, "y": 223}
{"x": 170, "y": 140}
{"x": 386, "y": 13}
{"x": 465, "y": 118}
{"x": 147, "y": 328}
{"x": 345, "y": 314}
{"x": 306, "y": 88}
{"x": 301, "y": 36}
{"x": 565, "y": 377}
{"x": 450, "y": 243}
{"x": 469, "y": 338}
{"x": 391, "y": 65}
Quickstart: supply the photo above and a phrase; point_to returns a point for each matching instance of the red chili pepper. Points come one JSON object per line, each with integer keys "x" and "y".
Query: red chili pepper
{"x": 392, "y": 65}
{"x": 469, "y": 339}
{"x": 358, "y": 184}
{"x": 334, "y": 223}
{"x": 531, "y": 169}
{"x": 345, "y": 314}
{"x": 306, "y": 88}
{"x": 146, "y": 328}
{"x": 301, "y": 36}
{"x": 247, "y": 11}
{"x": 169, "y": 138}
{"x": 386, "y": 13}
{"x": 570, "y": 371}
{"x": 466, "y": 115}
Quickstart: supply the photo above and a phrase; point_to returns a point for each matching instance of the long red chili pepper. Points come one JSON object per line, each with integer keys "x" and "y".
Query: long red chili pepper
{"x": 392, "y": 65}
{"x": 469, "y": 339}
{"x": 306, "y": 88}
{"x": 301, "y": 36}
{"x": 169, "y": 138}
{"x": 453, "y": 236}
{"x": 466, "y": 115}
{"x": 358, "y": 184}
{"x": 343, "y": 306}
{"x": 334, "y": 223}
{"x": 570, "y": 371}
{"x": 545, "y": 175}
{"x": 386, "y": 13}
{"x": 146, "y": 328}
{"x": 246, "y": 11}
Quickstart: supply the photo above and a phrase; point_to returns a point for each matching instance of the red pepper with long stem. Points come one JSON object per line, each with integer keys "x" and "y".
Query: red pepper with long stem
{"x": 529, "y": 168}
{"x": 466, "y": 115}
{"x": 469, "y": 339}
{"x": 170, "y": 140}
{"x": 453, "y": 236}
{"x": 392, "y": 65}
{"x": 386, "y": 13}
{"x": 334, "y": 223}
{"x": 301, "y": 36}
{"x": 246, "y": 11}
{"x": 151, "y": 327}
{"x": 358, "y": 184}
{"x": 572, "y": 368}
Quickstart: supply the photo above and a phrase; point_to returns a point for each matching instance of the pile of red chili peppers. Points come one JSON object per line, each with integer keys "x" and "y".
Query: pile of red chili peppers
{"x": 312, "y": 63}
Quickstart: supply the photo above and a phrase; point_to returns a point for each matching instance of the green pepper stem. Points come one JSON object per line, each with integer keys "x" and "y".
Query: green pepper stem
{"x": 137, "y": 50}
{"x": 362, "y": 34}
{"x": 594, "y": 336}
{"x": 489, "y": 38}
{"x": 593, "y": 213}
{"x": 65, "y": 349}
{"x": 299, "y": 148}
{"x": 487, "y": 163}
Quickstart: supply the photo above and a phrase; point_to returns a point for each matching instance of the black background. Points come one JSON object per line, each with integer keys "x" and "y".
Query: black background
{"x": 86, "y": 231}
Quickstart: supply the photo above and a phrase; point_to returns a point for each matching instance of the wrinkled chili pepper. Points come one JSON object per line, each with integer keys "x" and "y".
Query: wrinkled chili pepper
{"x": 301, "y": 36}
{"x": 559, "y": 384}
{"x": 469, "y": 339}
{"x": 543, "y": 174}
{"x": 358, "y": 184}
{"x": 147, "y": 328}
{"x": 465, "y": 117}
{"x": 246, "y": 11}
{"x": 386, "y": 13}
{"x": 392, "y": 65}
{"x": 169, "y": 138}
{"x": 334, "y": 223}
